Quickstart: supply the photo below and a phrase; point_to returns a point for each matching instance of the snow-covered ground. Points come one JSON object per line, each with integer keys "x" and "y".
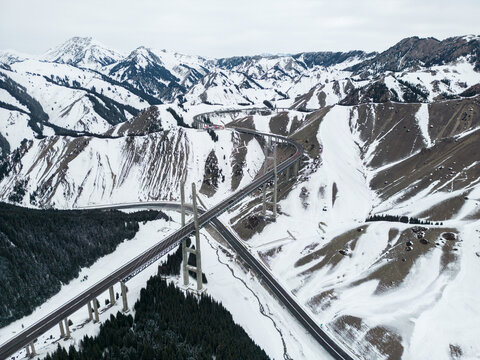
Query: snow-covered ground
{"x": 429, "y": 296}
{"x": 111, "y": 170}
{"x": 453, "y": 318}
{"x": 14, "y": 127}
{"x": 238, "y": 290}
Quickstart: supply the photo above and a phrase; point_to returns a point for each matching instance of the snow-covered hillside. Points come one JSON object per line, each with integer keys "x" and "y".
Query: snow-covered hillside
{"x": 136, "y": 162}
{"x": 72, "y": 98}
{"x": 377, "y": 285}
{"x": 393, "y": 134}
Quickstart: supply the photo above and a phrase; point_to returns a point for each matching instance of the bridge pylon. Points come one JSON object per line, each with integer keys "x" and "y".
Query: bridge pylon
{"x": 67, "y": 328}
{"x": 184, "y": 241}
{"x": 123, "y": 288}
{"x": 275, "y": 182}
{"x": 186, "y": 250}
{"x": 95, "y": 310}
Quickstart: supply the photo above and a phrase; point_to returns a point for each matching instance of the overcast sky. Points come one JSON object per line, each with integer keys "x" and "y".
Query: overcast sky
{"x": 219, "y": 28}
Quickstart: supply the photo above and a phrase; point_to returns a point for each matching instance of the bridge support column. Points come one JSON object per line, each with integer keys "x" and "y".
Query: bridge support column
{"x": 62, "y": 330}
{"x": 264, "y": 195}
{"x": 182, "y": 200}
{"x": 288, "y": 173}
{"x": 90, "y": 312}
{"x": 296, "y": 167}
{"x": 275, "y": 185}
{"x": 95, "y": 309}
{"x": 184, "y": 241}
{"x": 112, "y": 296}
{"x": 185, "y": 262}
{"x": 185, "y": 250}
{"x": 198, "y": 254}
{"x": 124, "y": 296}
{"x": 275, "y": 178}
{"x": 67, "y": 328}
{"x": 30, "y": 353}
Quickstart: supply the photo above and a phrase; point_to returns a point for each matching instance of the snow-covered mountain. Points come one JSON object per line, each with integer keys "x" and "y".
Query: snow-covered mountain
{"x": 422, "y": 52}
{"x": 278, "y": 79}
{"x": 82, "y": 52}
{"x": 83, "y": 86}
{"x": 392, "y": 134}
{"x": 163, "y": 75}
{"x": 8, "y": 57}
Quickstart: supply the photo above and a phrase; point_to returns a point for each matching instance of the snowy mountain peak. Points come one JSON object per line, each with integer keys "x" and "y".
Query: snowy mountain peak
{"x": 11, "y": 56}
{"x": 143, "y": 56}
{"x": 82, "y": 52}
{"x": 424, "y": 52}
{"x": 471, "y": 37}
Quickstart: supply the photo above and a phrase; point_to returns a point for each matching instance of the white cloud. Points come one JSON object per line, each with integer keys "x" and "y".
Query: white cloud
{"x": 224, "y": 28}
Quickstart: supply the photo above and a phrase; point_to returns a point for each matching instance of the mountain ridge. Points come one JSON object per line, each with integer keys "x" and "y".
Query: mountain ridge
{"x": 83, "y": 52}
{"x": 416, "y": 51}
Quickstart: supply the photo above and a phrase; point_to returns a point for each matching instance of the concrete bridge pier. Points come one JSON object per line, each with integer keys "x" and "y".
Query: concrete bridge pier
{"x": 199, "y": 124}
{"x": 185, "y": 262}
{"x": 62, "y": 330}
{"x": 184, "y": 241}
{"x": 112, "y": 296}
{"x": 275, "y": 178}
{"x": 95, "y": 309}
{"x": 264, "y": 190}
{"x": 198, "y": 254}
{"x": 186, "y": 250}
{"x": 275, "y": 186}
{"x": 30, "y": 348}
{"x": 124, "y": 296}
{"x": 296, "y": 167}
{"x": 90, "y": 311}
{"x": 269, "y": 142}
{"x": 67, "y": 328}
{"x": 182, "y": 201}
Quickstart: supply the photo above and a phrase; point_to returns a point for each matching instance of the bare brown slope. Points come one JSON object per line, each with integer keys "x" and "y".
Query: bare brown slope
{"x": 393, "y": 125}
{"x": 447, "y": 159}
{"x": 449, "y": 118}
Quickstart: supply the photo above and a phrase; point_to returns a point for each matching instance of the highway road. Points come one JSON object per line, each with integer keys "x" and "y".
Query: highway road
{"x": 169, "y": 243}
